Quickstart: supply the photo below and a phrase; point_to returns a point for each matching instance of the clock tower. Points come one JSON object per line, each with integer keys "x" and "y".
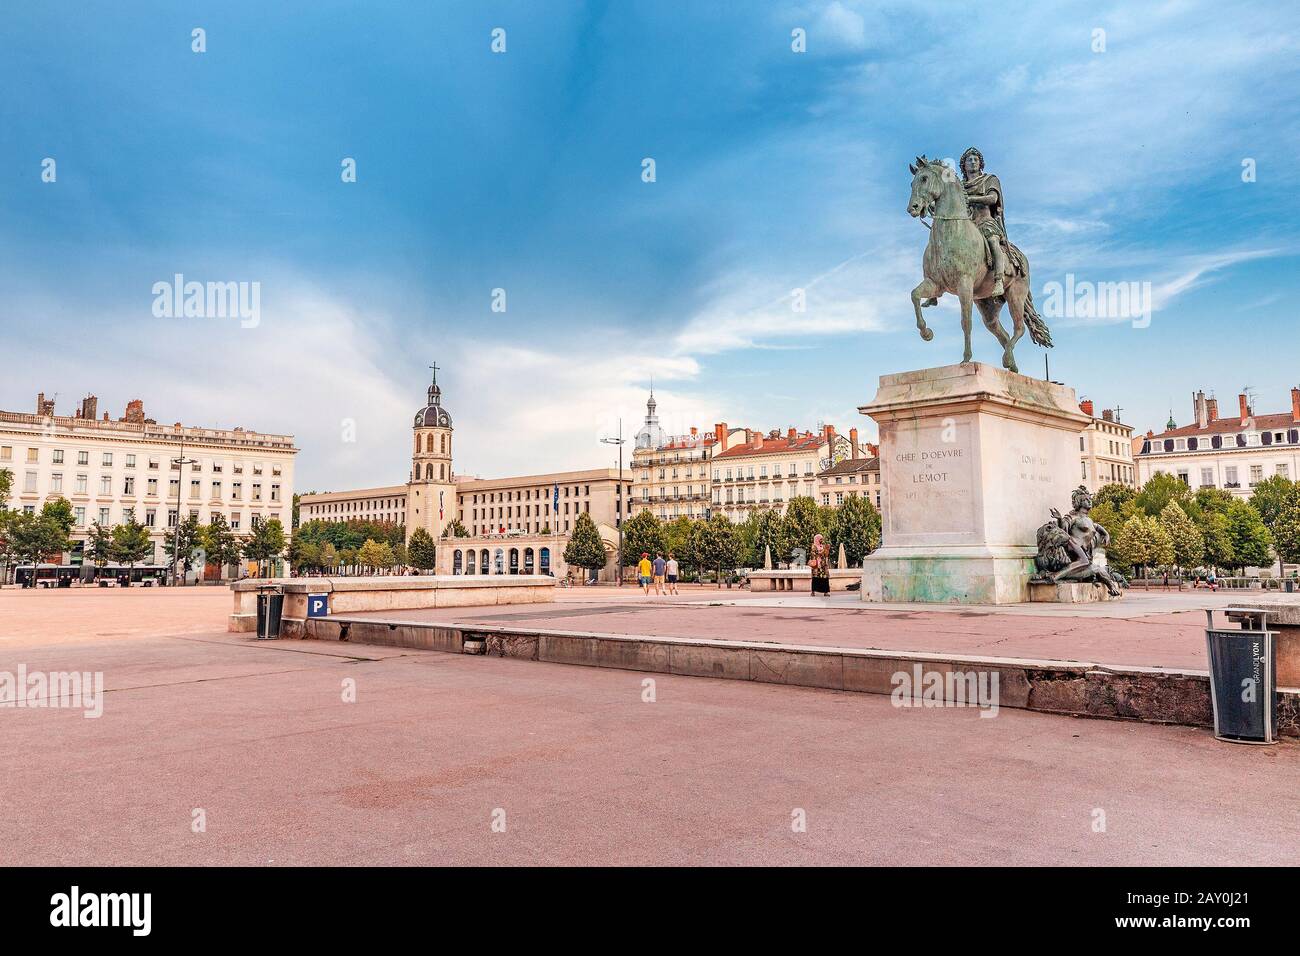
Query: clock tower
{"x": 431, "y": 490}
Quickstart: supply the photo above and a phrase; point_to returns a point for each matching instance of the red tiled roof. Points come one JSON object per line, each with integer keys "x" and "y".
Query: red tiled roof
{"x": 773, "y": 446}
{"x": 1231, "y": 426}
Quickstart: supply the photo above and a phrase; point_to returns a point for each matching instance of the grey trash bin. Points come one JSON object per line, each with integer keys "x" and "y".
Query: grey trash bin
{"x": 270, "y": 608}
{"x": 1243, "y": 677}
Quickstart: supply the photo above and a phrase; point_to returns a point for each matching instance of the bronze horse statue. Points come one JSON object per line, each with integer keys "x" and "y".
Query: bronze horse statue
{"x": 957, "y": 261}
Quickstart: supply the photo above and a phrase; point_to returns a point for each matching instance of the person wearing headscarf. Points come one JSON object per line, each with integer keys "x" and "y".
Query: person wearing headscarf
{"x": 819, "y": 562}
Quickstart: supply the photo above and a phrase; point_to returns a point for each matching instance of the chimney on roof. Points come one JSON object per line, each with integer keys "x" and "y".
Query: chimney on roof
{"x": 1150, "y": 433}
{"x": 830, "y": 435}
{"x": 853, "y": 443}
{"x": 873, "y": 450}
{"x": 755, "y": 439}
{"x": 1295, "y": 404}
{"x": 1245, "y": 409}
{"x": 791, "y": 433}
{"x": 1086, "y": 407}
{"x": 1108, "y": 414}
{"x": 44, "y": 406}
{"x": 1212, "y": 409}
{"x": 694, "y": 431}
{"x": 1199, "y": 410}
{"x": 90, "y": 407}
{"x": 134, "y": 412}
{"x": 720, "y": 433}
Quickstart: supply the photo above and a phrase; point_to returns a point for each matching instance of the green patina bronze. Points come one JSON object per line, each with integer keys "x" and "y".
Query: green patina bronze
{"x": 968, "y": 254}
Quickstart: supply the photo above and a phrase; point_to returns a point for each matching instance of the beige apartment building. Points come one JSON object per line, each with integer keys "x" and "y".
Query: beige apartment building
{"x": 363, "y": 504}
{"x": 672, "y": 471}
{"x": 756, "y": 470}
{"x": 113, "y": 470}
{"x": 1106, "y": 450}
{"x": 1236, "y": 452}
{"x": 857, "y": 476}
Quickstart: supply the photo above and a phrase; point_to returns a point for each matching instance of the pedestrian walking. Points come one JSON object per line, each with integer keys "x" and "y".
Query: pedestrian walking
{"x": 671, "y": 571}
{"x": 644, "y": 570}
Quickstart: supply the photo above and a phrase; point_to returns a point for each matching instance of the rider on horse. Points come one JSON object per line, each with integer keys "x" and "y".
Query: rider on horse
{"x": 984, "y": 193}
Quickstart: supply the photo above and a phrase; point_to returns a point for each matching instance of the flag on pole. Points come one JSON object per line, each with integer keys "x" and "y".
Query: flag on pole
{"x": 555, "y": 500}
{"x": 440, "y": 506}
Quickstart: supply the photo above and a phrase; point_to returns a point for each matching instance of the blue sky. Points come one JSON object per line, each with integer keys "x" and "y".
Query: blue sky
{"x": 521, "y": 170}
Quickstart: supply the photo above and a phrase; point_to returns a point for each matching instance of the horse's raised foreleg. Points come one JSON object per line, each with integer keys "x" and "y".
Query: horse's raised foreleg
{"x": 926, "y": 290}
{"x": 966, "y": 293}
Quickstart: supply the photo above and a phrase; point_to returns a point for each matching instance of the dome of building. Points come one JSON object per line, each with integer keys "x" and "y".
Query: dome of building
{"x": 650, "y": 435}
{"x": 433, "y": 415}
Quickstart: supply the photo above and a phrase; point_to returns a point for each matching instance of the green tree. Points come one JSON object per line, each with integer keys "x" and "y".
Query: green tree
{"x": 455, "y": 530}
{"x": 400, "y": 556}
{"x": 422, "y": 551}
{"x": 1115, "y": 495}
{"x": 1286, "y": 532}
{"x": 642, "y": 534}
{"x": 1217, "y": 536}
{"x": 303, "y": 555}
{"x": 1188, "y": 544}
{"x": 98, "y": 548}
{"x": 1141, "y": 544}
{"x": 1251, "y": 539}
{"x": 1159, "y": 490}
{"x": 585, "y": 549}
{"x": 183, "y": 540}
{"x": 6, "y": 487}
{"x": 33, "y": 537}
{"x": 803, "y": 521}
{"x": 265, "y": 544}
{"x": 857, "y": 527}
{"x": 1271, "y": 498}
{"x": 769, "y": 536}
{"x": 369, "y": 555}
{"x": 385, "y": 556}
{"x": 220, "y": 544}
{"x": 677, "y": 536}
{"x": 717, "y": 545}
{"x": 59, "y": 510}
{"x": 130, "y": 544}
{"x": 329, "y": 557}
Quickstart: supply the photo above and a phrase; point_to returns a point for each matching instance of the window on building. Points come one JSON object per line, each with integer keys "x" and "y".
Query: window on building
{"x": 105, "y": 484}
{"x": 106, "y": 459}
{"x": 103, "y": 517}
{"x": 56, "y": 482}
{"x": 83, "y": 458}
{"x": 58, "y": 456}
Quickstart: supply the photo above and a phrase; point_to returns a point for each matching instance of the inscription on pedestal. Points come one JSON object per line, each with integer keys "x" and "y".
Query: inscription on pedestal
{"x": 931, "y": 480}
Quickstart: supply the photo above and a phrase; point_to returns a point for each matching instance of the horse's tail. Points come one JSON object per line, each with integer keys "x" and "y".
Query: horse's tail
{"x": 1039, "y": 333}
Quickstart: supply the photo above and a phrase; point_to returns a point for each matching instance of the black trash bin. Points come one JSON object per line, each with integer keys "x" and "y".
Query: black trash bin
{"x": 270, "y": 608}
{"x": 1243, "y": 677}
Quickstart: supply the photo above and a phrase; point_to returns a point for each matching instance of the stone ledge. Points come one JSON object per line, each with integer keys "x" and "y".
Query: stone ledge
{"x": 1069, "y": 592}
{"x": 1075, "y": 688}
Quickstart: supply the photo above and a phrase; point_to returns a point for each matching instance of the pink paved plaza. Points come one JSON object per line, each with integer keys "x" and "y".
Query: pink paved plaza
{"x": 258, "y": 737}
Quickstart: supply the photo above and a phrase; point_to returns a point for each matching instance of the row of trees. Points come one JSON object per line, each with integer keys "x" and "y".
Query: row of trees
{"x": 1168, "y": 526}
{"x": 719, "y": 545}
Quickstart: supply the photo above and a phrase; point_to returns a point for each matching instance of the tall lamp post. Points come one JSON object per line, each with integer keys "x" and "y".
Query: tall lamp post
{"x": 621, "y": 498}
{"x": 180, "y": 464}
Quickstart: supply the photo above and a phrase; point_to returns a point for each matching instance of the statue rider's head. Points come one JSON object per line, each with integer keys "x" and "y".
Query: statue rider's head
{"x": 1081, "y": 499}
{"x": 972, "y": 163}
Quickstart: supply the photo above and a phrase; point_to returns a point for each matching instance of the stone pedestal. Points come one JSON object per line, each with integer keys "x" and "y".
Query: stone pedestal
{"x": 1069, "y": 592}
{"x": 972, "y": 460}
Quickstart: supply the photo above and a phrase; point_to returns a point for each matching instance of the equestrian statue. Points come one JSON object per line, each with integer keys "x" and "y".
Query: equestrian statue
{"x": 968, "y": 254}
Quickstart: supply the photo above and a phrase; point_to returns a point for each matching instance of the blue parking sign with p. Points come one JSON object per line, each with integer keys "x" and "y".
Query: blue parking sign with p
{"x": 318, "y": 605}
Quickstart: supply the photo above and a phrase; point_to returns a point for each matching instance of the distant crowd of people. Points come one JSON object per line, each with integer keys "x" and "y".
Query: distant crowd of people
{"x": 661, "y": 573}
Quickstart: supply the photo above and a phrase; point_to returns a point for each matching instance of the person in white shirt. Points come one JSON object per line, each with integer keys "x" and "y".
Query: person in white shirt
{"x": 671, "y": 573}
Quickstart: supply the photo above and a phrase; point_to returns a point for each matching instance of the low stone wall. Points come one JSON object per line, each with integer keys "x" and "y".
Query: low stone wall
{"x": 366, "y": 595}
{"x": 1157, "y": 695}
{"x": 800, "y": 579}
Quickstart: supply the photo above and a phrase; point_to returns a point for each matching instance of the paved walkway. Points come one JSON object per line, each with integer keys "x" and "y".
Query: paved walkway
{"x": 1151, "y": 630}
{"x": 257, "y": 736}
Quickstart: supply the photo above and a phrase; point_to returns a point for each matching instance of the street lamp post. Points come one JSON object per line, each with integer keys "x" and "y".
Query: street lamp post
{"x": 622, "y": 504}
{"x": 180, "y": 464}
